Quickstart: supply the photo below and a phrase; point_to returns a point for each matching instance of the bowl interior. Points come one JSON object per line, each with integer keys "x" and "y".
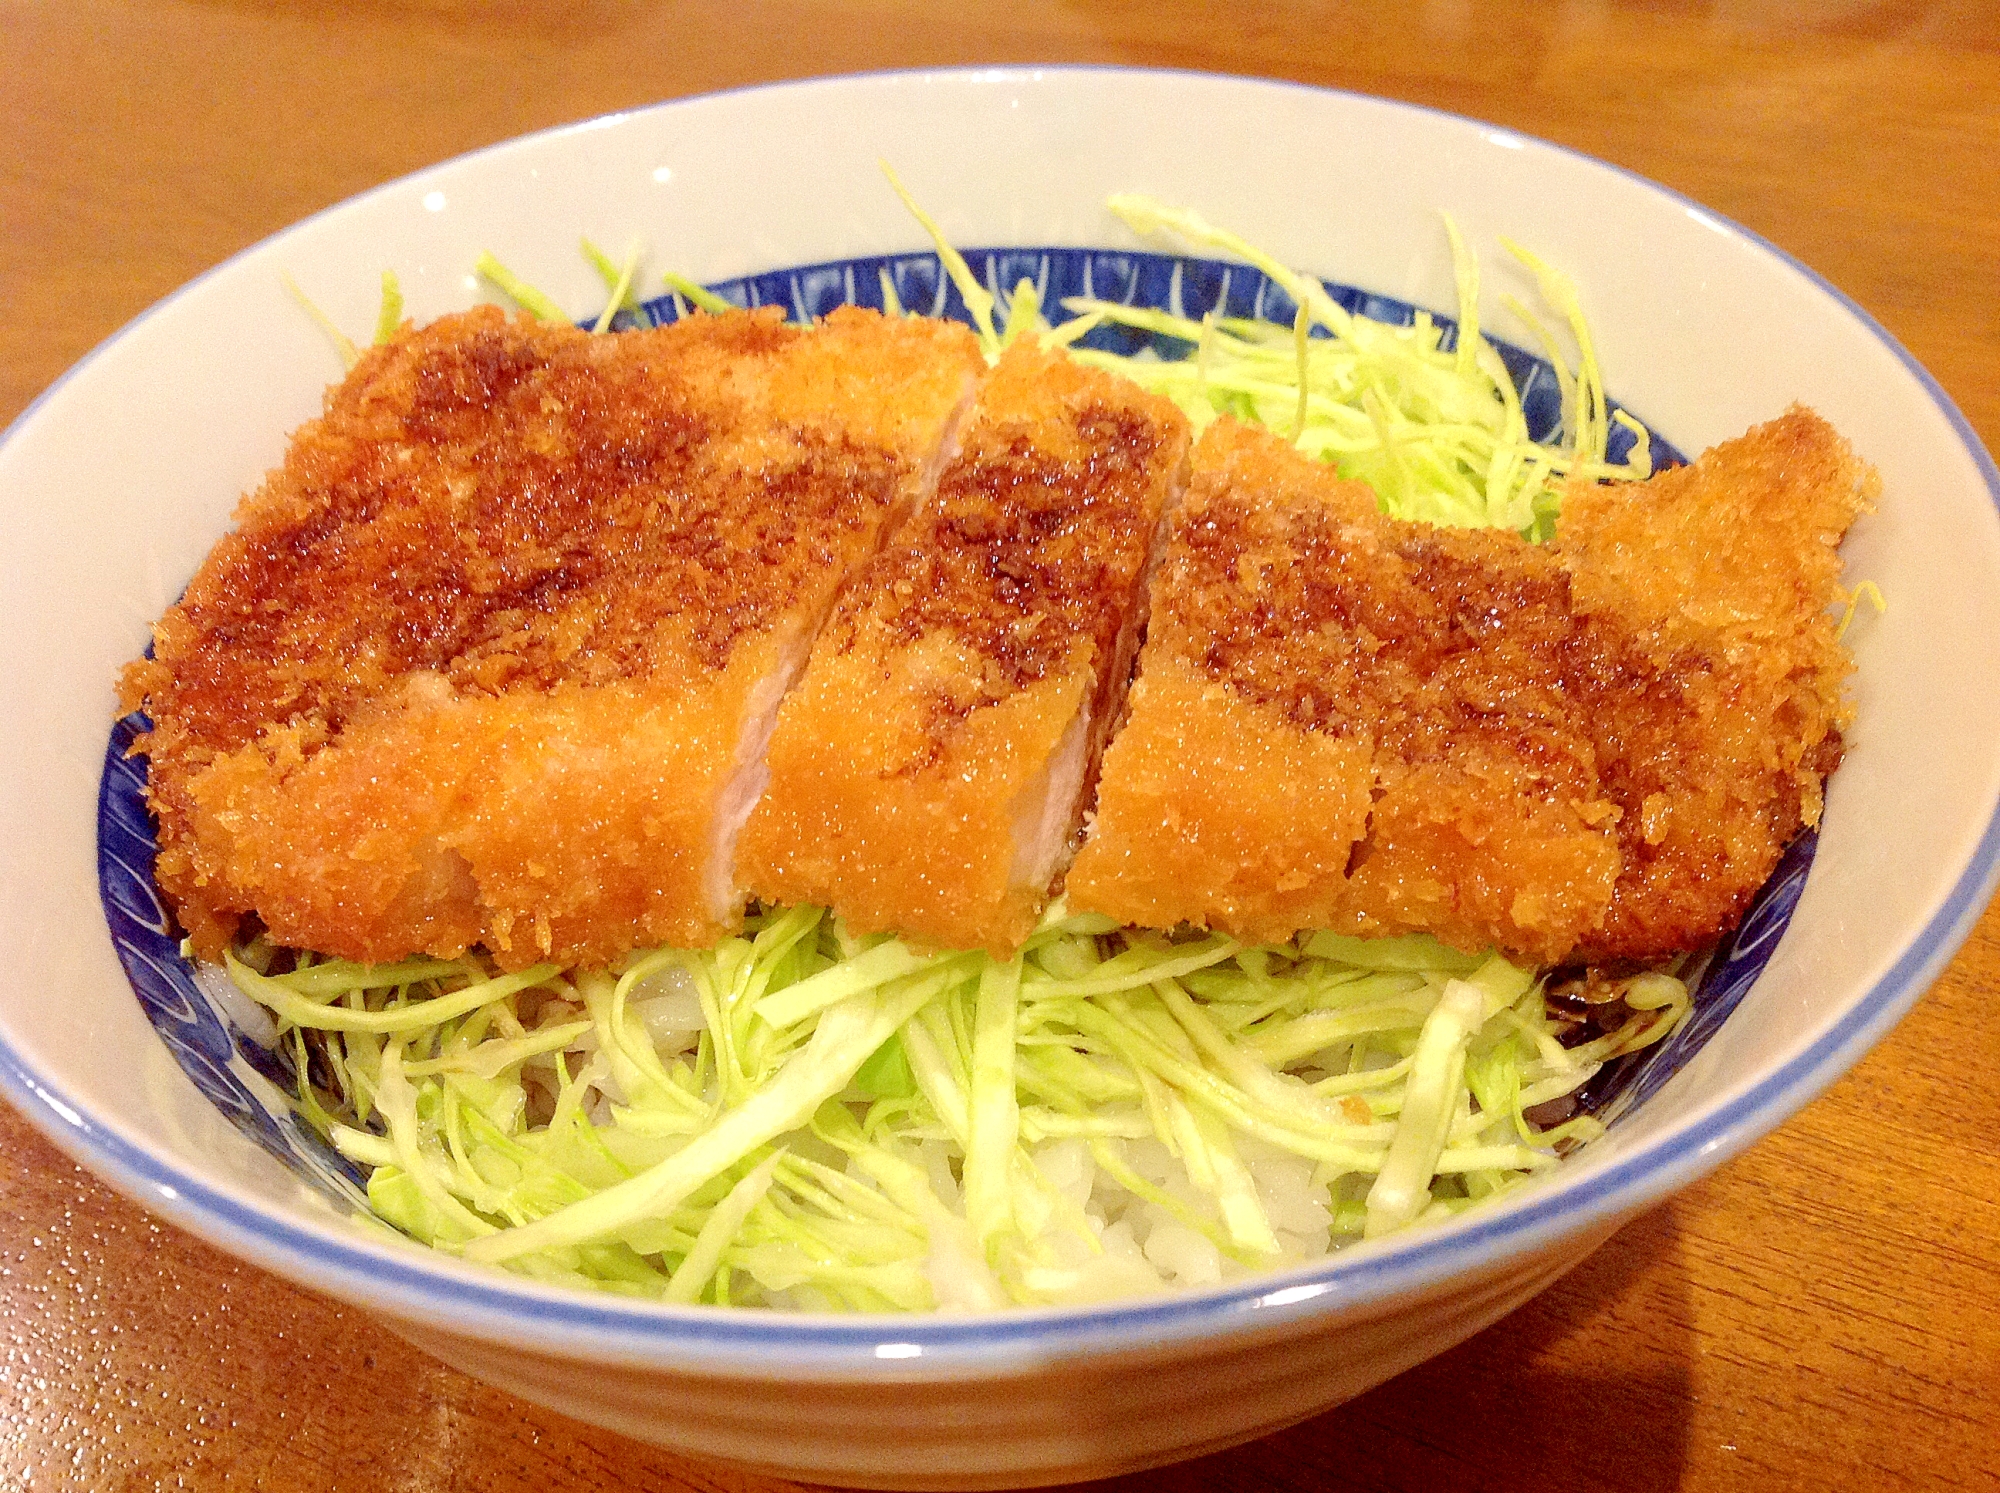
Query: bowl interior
{"x": 116, "y": 482}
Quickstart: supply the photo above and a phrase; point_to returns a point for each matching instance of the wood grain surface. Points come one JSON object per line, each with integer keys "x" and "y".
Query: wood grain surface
{"x": 1821, "y": 1312}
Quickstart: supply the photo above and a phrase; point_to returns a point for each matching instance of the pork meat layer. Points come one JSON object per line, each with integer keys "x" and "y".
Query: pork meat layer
{"x": 929, "y": 772}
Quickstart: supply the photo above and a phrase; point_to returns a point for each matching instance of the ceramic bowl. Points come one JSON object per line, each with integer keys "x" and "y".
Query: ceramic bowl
{"x": 114, "y": 484}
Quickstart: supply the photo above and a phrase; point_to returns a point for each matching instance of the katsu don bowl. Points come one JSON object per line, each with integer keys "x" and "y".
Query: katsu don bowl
{"x": 121, "y": 478}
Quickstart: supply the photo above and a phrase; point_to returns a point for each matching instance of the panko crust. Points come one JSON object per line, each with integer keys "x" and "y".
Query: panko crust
{"x": 1188, "y": 828}
{"x": 1597, "y": 749}
{"x": 476, "y": 661}
{"x": 1723, "y": 576}
{"x": 925, "y": 733}
{"x": 490, "y": 658}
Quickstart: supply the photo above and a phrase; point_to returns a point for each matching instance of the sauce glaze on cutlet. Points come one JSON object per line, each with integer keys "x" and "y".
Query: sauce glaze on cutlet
{"x": 929, "y": 769}
{"x": 1019, "y": 557}
{"x": 510, "y": 505}
{"x": 1717, "y": 725}
{"x": 1436, "y": 652}
{"x": 1599, "y": 748}
{"x": 502, "y": 511}
{"x": 492, "y": 656}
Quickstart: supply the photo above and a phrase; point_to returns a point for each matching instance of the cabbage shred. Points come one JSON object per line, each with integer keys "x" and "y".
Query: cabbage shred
{"x": 1438, "y": 432}
{"x": 799, "y": 1117}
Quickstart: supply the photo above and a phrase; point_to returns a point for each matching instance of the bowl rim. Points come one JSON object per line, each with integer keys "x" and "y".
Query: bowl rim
{"x": 435, "y": 1291}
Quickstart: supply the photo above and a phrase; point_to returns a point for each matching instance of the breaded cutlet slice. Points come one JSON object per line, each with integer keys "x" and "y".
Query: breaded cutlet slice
{"x": 1598, "y": 750}
{"x": 929, "y": 772}
{"x": 492, "y": 658}
{"x": 1343, "y": 721}
{"x": 1720, "y": 575}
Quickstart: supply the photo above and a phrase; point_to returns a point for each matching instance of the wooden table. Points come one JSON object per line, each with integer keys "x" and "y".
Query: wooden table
{"x": 1822, "y": 1311}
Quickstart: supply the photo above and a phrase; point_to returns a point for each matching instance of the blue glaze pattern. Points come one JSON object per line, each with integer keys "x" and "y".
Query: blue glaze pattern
{"x": 1183, "y": 286}
{"x": 250, "y": 1084}
{"x": 1733, "y": 968}
{"x": 247, "y": 1082}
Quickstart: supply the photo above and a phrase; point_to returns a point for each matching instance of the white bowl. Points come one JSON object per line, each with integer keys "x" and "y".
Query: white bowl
{"x": 119, "y": 478}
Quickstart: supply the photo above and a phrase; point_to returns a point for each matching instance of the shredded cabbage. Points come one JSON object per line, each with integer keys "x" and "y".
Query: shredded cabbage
{"x": 802, "y": 1118}
{"x": 1439, "y": 434}
{"x": 517, "y": 290}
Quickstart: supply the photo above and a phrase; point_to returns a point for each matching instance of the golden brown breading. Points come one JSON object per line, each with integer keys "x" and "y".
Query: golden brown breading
{"x": 1346, "y": 722}
{"x": 489, "y": 659}
{"x": 1720, "y": 575}
{"x": 1343, "y": 721}
{"x": 927, "y": 773}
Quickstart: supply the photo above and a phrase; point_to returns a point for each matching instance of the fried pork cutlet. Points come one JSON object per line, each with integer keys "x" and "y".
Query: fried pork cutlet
{"x": 928, "y": 774}
{"x": 492, "y": 658}
{"x": 1344, "y": 721}
{"x": 1721, "y": 719}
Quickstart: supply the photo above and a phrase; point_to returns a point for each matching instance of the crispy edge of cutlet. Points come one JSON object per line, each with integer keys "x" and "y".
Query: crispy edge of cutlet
{"x": 552, "y": 825}
{"x": 512, "y": 481}
{"x": 1345, "y": 721}
{"x": 951, "y": 709}
{"x": 1723, "y": 573}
